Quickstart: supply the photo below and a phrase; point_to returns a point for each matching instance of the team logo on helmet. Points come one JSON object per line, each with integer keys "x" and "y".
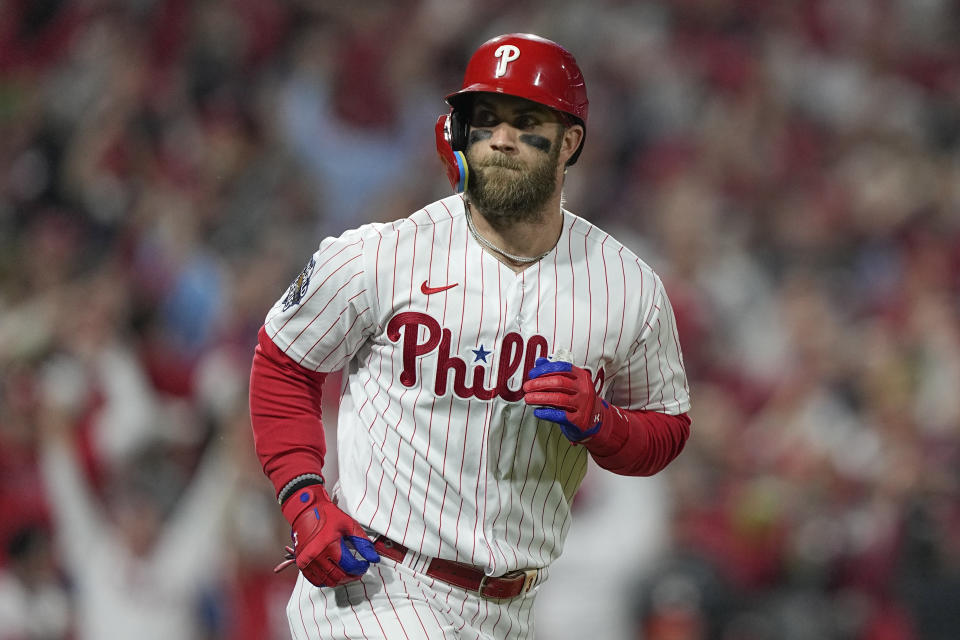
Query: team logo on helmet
{"x": 505, "y": 54}
{"x": 298, "y": 288}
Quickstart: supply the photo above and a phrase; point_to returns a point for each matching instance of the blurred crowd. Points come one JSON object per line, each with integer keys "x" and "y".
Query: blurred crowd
{"x": 791, "y": 169}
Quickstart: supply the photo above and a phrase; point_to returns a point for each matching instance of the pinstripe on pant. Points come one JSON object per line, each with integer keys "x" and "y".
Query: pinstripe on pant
{"x": 395, "y": 602}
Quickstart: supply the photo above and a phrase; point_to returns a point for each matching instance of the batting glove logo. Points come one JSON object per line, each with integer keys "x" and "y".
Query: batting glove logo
{"x": 564, "y": 394}
{"x": 329, "y": 547}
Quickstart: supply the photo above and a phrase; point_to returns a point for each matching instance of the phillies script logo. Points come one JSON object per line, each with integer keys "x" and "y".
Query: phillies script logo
{"x": 515, "y": 355}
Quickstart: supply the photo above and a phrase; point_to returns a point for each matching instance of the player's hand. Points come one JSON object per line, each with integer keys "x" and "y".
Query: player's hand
{"x": 325, "y": 538}
{"x": 564, "y": 394}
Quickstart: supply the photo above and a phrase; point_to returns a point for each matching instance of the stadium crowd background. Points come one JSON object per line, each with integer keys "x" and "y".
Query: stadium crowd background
{"x": 791, "y": 169}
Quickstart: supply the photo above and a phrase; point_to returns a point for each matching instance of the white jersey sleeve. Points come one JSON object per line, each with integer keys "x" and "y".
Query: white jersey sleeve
{"x": 328, "y": 310}
{"x": 653, "y": 377}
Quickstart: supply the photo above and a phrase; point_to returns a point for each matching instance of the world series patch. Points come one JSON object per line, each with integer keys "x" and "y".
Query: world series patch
{"x": 298, "y": 288}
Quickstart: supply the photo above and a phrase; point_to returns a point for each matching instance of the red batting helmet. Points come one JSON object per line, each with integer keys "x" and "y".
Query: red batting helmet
{"x": 527, "y": 66}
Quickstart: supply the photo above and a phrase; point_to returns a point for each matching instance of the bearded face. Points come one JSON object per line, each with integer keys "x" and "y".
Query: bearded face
{"x": 508, "y": 190}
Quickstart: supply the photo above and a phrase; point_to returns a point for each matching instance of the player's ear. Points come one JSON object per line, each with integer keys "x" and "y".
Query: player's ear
{"x": 570, "y": 142}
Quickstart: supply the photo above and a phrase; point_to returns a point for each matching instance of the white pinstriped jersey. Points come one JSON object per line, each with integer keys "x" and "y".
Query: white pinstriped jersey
{"x": 437, "y": 449}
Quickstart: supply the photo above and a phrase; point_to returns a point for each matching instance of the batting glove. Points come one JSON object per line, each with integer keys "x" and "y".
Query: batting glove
{"x": 567, "y": 396}
{"x": 324, "y": 539}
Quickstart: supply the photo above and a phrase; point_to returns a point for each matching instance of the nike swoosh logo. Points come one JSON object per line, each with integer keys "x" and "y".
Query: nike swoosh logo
{"x": 431, "y": 290}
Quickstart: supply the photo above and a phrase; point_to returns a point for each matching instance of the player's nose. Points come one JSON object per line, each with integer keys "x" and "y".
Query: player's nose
{"x": 504, "y": 138}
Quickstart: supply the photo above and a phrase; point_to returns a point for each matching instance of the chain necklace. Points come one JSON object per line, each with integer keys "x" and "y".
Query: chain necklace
{"x": 492, "y": 247}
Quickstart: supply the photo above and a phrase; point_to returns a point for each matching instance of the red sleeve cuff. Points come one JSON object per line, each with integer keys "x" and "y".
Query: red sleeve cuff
{"x": 638, "y": 443}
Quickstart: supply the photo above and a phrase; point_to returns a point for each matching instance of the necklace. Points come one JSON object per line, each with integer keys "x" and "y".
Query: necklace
{"x": 492, "y": 247}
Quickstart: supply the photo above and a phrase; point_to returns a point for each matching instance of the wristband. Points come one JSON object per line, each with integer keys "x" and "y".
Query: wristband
{"x": 301, "y": 481}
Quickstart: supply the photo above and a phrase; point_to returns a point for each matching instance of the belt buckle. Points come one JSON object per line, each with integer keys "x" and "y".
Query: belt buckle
{"x": 483, "y": 583}
{"x": 529, "y": 577}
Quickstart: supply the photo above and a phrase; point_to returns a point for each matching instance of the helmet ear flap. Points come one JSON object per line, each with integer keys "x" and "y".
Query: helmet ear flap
{"x": 454, "y": 161}
{"x": 459, "y": 127}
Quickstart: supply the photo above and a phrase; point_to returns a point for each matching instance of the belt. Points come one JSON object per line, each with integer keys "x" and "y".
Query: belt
{"x": 466, "y": 576}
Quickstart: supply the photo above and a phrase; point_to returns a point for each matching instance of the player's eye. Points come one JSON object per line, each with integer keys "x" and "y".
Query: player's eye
{"x": 526, "y": 121}
{"x": 484, "y": 118}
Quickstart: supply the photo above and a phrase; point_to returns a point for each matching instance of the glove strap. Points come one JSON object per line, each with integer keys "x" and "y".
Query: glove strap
{"x": 301, "y": 481}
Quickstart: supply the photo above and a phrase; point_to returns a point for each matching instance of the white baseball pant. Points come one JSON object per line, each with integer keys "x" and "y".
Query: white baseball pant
{"x": 393, "y": 601}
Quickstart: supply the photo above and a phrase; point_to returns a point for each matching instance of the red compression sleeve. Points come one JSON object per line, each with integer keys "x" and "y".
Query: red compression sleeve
{"x": 638, "y": 443}
{"x": 285, "y": 414}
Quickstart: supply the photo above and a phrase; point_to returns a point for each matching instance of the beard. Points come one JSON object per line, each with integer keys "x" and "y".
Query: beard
{"x": 505, "y": 191}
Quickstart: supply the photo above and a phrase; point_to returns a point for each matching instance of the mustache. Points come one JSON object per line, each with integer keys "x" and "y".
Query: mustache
{"x": 503, "y": 162}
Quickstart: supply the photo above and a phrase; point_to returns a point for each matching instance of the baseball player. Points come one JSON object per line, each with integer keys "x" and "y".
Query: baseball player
{"x": 490, "y": 344}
